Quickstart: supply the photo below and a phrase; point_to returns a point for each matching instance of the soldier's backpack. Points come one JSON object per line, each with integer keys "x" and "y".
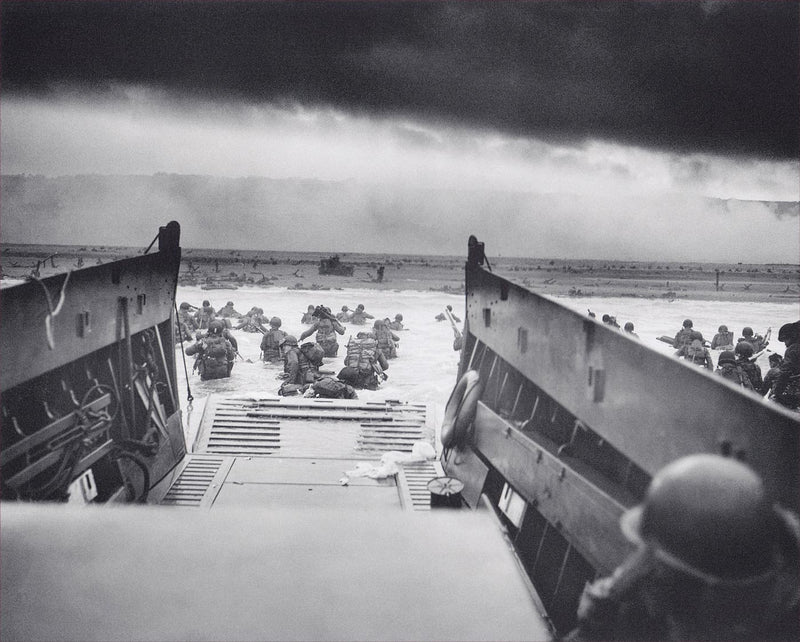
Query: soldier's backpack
{"x": 313, "y": 352}
{"x": 216, "y": 347}
{"x": 734, "y": 372}
{"x": 361, "y": 355}
{"x": 331, "y": 388}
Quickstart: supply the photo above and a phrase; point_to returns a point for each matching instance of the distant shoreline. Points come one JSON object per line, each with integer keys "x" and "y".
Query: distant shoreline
{"x": 226, "y": 270}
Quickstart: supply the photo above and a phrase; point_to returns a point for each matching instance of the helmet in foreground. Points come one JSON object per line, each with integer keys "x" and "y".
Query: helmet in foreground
{"x": 744, "y": 349}
{"x": 789, "y": 331}
{"x": 288, "y": 340}
{"x": 708, "y": 517}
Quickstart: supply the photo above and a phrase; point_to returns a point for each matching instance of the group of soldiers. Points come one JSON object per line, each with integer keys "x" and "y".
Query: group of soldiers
{"x": 737, "y": 360}
{"x": 365, "y": 362}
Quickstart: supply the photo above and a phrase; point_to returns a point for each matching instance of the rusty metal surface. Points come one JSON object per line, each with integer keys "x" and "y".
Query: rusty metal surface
{"x": 146, "y": 282}
{"x": 650, "y": 407}
{"x": 259, "y": 575}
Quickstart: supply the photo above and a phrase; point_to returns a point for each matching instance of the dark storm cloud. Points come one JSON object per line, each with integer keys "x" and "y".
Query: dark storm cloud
{"x": 684, "y": 76}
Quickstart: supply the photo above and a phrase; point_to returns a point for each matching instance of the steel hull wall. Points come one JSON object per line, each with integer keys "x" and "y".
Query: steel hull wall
{"x": 651, "y": 407}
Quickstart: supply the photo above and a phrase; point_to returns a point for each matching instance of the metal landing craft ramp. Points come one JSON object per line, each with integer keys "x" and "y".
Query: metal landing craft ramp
{"x": 274, "y": 452}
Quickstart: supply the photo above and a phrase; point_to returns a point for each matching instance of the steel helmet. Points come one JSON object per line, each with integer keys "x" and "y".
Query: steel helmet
{"x": 288, "y": 340}
{"x": 747, "y": 331}
{"x": 789, "y": 331}
{"x": 216, "y": 327}
{"x": 775, "y": 358}
{"x": 344, "y": 308}
{"x": 723, "y": 328}
{"x": 229, "y": 303}
{"x": 398, "y": 317}
{"x": 687, "y": 323}
{"x": 727, "y": 356}
{"x": 275, "y": 322}
{"x": 629, "y": 326}
{"x": 206, "y": 303}
{"x": 709, "y": 517}
{"x": 185, "y": 306}
{"x": 745, "y": 349}
{"x": 694, "y": 335}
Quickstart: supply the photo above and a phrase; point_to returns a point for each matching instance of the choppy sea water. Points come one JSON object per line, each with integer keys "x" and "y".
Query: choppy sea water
{"x": 426, "y": 368}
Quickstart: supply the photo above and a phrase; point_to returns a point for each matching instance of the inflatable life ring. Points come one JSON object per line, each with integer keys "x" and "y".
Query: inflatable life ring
{"x": 460, "y": 409}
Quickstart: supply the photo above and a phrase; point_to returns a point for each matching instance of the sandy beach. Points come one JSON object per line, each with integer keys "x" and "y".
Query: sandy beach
{"x": 232, "y": 269}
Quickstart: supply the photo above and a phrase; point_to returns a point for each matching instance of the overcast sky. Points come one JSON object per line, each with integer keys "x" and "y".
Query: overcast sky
{"x": 628, "y": 99}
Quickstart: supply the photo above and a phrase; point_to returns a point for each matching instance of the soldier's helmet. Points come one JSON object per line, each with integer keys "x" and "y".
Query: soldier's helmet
{"x": 360, "y": 306}
{"x": 216, "y": 327}
{"x": 727, "y": 356}
{"x": 629, "y": 326}
{"x": 789, "y": 331}
{"x": 709, "y": 517}
{"x": 206, "y": 303}
{"x": 229, "y": 304}
{"x": 398, "y": 317}
{"x": 744, "y": 349}
{"x": 344, "y": 308}
{"x": 722, "y": 328}
{"x": 775, "y": 359}
{"x": 349, "y": 375}
{"x": 288, "y": 340}
{"x": 696, "y": 336}
{"x": 378, "y": 324}
{"x": 747, "y": 332}
{"x": 185, "y": 306}
{"x": 687, "y": 323}
{"x": 310, "y": 308}
{"x": 275, "y": 322}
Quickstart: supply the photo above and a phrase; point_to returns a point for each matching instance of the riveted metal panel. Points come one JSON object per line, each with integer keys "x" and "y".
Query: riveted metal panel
{"x": 146, "y": 282}
{"x": 649, "y": 406}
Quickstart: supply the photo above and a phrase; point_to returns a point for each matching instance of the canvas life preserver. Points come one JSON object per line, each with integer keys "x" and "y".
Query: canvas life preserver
{"x": 460, "y": 409}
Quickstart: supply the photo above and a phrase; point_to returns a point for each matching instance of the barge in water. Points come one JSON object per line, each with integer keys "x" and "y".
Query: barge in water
{"x": 249, "y": 534}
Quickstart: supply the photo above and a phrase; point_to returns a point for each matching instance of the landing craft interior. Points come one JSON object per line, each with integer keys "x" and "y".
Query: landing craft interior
{"x": 247, "y": 534}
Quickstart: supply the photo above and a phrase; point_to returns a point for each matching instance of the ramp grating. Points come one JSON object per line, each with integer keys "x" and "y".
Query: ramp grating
{"x": 194, "y": 482}
{"x": 412, "y": 482}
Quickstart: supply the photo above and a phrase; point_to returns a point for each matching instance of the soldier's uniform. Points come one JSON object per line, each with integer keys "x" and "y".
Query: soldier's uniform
{"x": 271, "y": 341}
{"x": 723, "y": 340}
{"x": 215, "y": 354}
{"x": 787, "y": 387}
{"x": 360, "y": 316}
{"x": 728, "y": 368}
{"x": 385, "y": 339}
{"x": 363, "y": 355}
{"x": 684, "y": 336}
{"x": 697, "y": 354}
{"x": 205, "y": 315}
{"x": 228, "y": 311}
{"x": 326, "y": 329}
{"x": 715, "y": 560}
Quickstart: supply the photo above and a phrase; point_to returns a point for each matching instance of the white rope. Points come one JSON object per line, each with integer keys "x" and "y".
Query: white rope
{"x": 52, "y": 312}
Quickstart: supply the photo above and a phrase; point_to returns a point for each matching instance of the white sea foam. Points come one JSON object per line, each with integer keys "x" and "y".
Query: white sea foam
{"x": 426, "y": 368}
